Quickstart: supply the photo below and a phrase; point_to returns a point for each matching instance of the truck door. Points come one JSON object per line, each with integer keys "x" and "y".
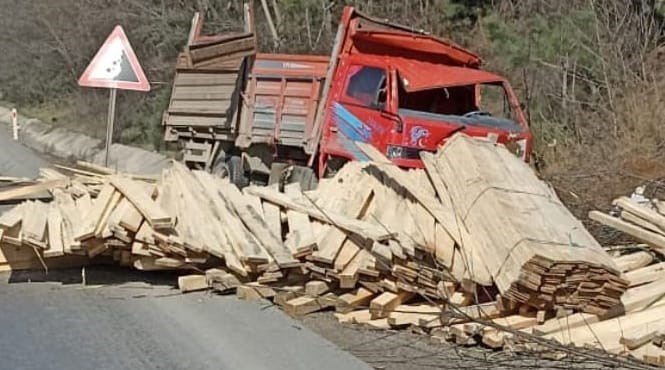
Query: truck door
{"x": 360, "y": 112}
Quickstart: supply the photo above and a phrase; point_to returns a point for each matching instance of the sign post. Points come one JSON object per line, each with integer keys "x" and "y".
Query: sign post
{"x": 114, "y": 67}
{"x": 109, "y": 125}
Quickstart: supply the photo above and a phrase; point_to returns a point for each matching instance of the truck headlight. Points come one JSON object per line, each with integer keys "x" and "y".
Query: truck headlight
{"x": 395, "y": 151}
{"x": 517, "y": 147}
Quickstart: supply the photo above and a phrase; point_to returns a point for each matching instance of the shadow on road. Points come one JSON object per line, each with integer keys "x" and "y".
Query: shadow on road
{"x": 94, "y": 275}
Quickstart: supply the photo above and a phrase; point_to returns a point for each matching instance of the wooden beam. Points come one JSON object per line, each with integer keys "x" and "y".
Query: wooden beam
{"x": 334, "y": 238}
{"x": 361, "y": 228}
{"x": 301, "y": 235}
{"x": 12, "y": 217}
{"x": 24, "y": 191}
{"x": 136, "y": 194}
{"x": 655, "y": 240}
{"x": 646, "y": 274}
{"x": 56, "y": 246}
{"x": 259, "y": 227}
{"x": 633, "y": 261}
{"x": 640, "y": 211}
{"x": 348, "y": 302}
{"x": 384, "y": 304}
{"x": 192, "y": 283}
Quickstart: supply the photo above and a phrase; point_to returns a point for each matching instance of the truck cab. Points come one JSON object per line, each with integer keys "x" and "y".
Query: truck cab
{"x": 405, "y": 92}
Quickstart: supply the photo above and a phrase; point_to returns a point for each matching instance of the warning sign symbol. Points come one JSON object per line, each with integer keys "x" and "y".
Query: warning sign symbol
{"x": 115, "y": 66}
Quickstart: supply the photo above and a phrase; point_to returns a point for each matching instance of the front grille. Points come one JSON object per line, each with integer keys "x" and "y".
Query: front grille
{"x": 413, "y": 153}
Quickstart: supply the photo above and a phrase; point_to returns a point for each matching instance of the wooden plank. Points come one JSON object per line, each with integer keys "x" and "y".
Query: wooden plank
{"x": 443, "y": 215}
{"x": 113, "y": 220}
{"x": 349, "y": 276}
{"x": 646, "y": 274}
{"x": 633, "y": 261}
{"x": 103, "y": 230}
{"x": 199, "y": 219}
{"x": 639, "y": 338}
{"x": 603, "y": 334}
{"x": 301, "y": 235}
{"x": 140, "y": 249}
{"x": 516, "y": 322}
{"x": 247, "y": 293}
{"x": 259, "y": 228}
{"x": 192, "y": 283}
{"x": 349, "y": 250}
{"x": 332, "y": 241}
{"x": 155, "y": 215}
{"x": 465, "y": 262}
{"x": 56, "y": 246}
{"x": 565, "y": 323}
{"x": 642, "y": 212}
{"x": 361, "y": 228}
{"x": 33, "y": 226}
{"x": 131, "y": 219}
{"x": 635, "y": 299}
{"x": 485, "y": 311}
{"x": 384, "y": 304}
{"x": 255, "y": 202}
{"x": 16, "y": 258}
{"x": 94, "y": 215}
{"x": 12, "y": 217}
{"x": 625, "y": 215}
{"x": 242, "y": 241}
{"x": 222, "y": 281}
{"x": 304, "y": 305}
{"x": 70, "y": 221}
{"x": 655, "y": 240}
{"x": 273, "y": 218}
{"x": 348, "y": 302}
{"x": 287, "y": 293}
{"x": 24, "y": 191}
{"x": 354, "y": 317}
{"x": 413, "y": 315}
{"x": 316, "y": 288}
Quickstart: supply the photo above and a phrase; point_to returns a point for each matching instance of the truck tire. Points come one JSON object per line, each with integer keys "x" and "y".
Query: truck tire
{"x": 237, "y": 172}
{"x": 233, "y": 169}
{"x": 305, "y": 176}
{"x": 219, "y": 166}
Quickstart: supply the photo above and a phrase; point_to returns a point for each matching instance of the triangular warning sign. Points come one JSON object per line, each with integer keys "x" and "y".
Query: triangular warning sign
{"x": 115, "y": 66}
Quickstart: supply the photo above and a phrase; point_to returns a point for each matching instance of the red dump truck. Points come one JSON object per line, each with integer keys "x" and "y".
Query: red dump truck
{"x": 266, "y": 116}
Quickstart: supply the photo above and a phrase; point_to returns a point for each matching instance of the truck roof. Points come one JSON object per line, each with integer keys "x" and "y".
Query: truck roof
{"x": 371, "y": 35}
{"x": 420, "y": 75}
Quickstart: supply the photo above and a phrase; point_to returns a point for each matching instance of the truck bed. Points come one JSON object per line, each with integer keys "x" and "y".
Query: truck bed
{"x": 208, "y": 79}
{"x": 280, "y": 100}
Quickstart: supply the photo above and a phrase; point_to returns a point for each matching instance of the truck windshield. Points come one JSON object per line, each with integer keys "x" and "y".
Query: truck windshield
{"x": 484, "y": 104}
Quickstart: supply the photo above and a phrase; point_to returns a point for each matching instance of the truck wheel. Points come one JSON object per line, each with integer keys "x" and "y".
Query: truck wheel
{"x": 236, "y": 172}
{"x": 219, "y": 167}
{"x": 305, "y": 176}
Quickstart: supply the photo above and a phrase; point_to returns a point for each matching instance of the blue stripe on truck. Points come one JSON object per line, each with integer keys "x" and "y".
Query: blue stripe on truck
{"x": 352, "y": 129}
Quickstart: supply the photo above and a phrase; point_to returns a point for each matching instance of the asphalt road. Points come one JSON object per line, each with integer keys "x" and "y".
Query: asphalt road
{"x": 17, "y": 160}
{"x": 123, "y": 319}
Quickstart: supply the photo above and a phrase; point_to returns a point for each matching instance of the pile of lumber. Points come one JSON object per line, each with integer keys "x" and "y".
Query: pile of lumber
{"x": 474, "y": 237}
{"x": 637, "y": 216}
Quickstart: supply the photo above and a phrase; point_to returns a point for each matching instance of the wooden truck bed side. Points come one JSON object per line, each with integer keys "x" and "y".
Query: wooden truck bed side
{"x": 280, "y": 99}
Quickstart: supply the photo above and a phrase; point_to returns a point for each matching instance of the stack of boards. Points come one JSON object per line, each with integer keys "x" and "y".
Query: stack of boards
{"x": 475, "y": 235}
